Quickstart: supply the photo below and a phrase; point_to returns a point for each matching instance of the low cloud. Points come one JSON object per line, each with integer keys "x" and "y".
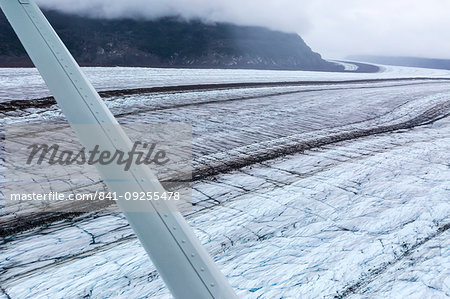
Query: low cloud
{"x": 333, "y": 28}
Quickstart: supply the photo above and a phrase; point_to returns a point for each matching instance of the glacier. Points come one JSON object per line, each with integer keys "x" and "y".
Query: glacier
{"x": 322, "y": 191}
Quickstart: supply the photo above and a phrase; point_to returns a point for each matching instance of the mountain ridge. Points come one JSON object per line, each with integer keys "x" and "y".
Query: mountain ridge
{"x": 169, "y": 42}
{"x": 411, "y": 61}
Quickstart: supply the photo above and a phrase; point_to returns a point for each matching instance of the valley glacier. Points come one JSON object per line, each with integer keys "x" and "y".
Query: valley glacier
{"x": 331, "y": 190}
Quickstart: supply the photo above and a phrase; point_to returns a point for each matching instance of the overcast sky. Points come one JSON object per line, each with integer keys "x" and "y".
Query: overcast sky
{"x": 334, "y": 28}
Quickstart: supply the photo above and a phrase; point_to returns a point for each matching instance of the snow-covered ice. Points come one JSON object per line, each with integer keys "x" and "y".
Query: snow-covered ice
{"x": 337, "y": 190}
{"x": 26, "y": 83}
{"x": 380, "y": 207}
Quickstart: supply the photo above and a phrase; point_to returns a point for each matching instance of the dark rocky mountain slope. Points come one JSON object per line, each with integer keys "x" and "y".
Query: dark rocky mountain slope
{"x": 169, "y": 42}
